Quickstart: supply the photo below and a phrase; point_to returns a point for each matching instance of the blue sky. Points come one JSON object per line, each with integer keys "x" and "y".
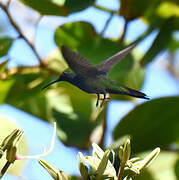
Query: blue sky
{"x": 158, "y": 83}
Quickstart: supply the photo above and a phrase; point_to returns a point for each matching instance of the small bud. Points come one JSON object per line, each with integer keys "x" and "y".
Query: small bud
{"x": 121, "y": 149}
{"x": 82, "y": 167}
{"x": 113, "y": 156}
{"x": 127, "y": 150}
{"x": 103, "y": 164}
{"x": 10, "y": 139}
{"x": 11, "y": 154}
{"x": 56, "y": 174}
{"x": 97, "y": 151}
{"x": 145, "y": 162}
{"x": 124, "y": 155}
{"x": 10, "y": 144}
{"x": 1, "y": 152}
{"x": 136, "y": 165}
{"x": 61, "y": 176}
{"x": 99, "y": 161}
{"x": 127, "y": 178}
{"x": 132, "y": 160}
{"x": 12, "y": 148}
{"x": 133, "y": 169}
{"x": 51, "y": 170}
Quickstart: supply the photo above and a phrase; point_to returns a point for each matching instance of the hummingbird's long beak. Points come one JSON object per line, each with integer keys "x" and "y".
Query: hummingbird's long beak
{"x": 49, "y": 84}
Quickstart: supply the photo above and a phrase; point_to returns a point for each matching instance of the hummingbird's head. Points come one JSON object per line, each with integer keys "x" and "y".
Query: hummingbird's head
{"x": 67, "y": 75}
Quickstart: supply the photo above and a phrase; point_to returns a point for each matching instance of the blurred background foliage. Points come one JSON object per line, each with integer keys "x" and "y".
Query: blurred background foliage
{"x": 153, "y": 123}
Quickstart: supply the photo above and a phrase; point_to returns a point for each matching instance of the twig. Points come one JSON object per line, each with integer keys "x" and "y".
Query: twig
{"x": 4, "y": 169}
{"x": 106, "y": 25}
{"x": 146, "y": 33}
{"x": 8, "y": 3}
{"x": 26, "y": 70}
{"x": 170, "y": 66}
{"x": 15, "y": 25}
{"x": 105, "y": 9}
{"x": 120, "y": 172}
{"x": 19, "y": 157}
{"x": 124, "y": 32}
{"x": 36, "y": 26}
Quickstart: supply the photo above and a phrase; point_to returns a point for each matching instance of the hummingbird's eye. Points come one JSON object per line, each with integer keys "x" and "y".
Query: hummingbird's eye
{"x": 65, "y": 72}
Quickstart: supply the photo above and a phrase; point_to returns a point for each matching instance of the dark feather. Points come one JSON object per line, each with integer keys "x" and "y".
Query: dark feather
{"x": 130, "y": 92}
{"x": 109, "y": 63}
{"x": 78, "y": 64}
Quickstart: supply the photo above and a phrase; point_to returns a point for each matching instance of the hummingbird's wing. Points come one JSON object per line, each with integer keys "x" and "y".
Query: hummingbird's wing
{"x": 78, "y": 64}
{"x": 108, "y": 64}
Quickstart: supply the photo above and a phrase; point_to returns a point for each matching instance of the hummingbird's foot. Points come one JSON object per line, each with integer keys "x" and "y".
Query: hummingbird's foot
{"x": 101, "y": 105}
{"x": 103, "y": 100}
{"x": 97, "y": 102}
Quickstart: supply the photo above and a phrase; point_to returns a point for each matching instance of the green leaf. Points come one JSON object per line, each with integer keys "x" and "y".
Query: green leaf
{"x": 157, "y": 12}
{"x": 168, "y": 9}
{"x": 5, "y": 44}
{"x": 151, "y": 119}
{"x": 47, "y": 7}
{"x": 177, "y": 168}
{"x": 103, "y": 164}
{"x": 133, "y": 9}
{"x": 173, "y": 45}
{"x": 159, "y": 169}
{"x": 75, "y": 114}
{"x": 3, "y": 66}
{"x": 5, "y": 87}
{"x": 78, "y": 5}
{"x": 73, "y": 177}
{"x": 6, "y": 127}
{"x": 26, "y": 97}
{"x": 161, "y": 41}
{"x": 146, "y": 175}
{"x": 74, "y": 34}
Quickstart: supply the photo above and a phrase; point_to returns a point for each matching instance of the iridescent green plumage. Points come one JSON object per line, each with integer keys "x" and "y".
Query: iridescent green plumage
{"x": 93, "y": 79}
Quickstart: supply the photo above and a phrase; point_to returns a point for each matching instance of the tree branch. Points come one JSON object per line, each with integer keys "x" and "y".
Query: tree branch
{"x": 4, "y": 169}
{"x": 105, "y": 9}
{"x": 146, "y": 33}
{"x": 26, "y": 70}
{"x": 124, "y": 32}
{"x": 21, "y": 35}
{"x": 36, "y": 26}
{"x": 106, "y": 24}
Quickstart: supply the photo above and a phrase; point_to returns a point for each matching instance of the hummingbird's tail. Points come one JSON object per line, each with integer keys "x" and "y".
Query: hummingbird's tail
{"x": 130, "y": 92}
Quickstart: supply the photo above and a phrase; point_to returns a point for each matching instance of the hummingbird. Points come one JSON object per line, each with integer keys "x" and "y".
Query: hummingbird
{"x": 93, "y": 79}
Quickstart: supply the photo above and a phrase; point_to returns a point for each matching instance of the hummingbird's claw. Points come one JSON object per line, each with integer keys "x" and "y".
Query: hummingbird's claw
{"x": 97, "y": 102}
{"x": 104, "y": 97}
{"x": 101, "y": 105}
{"x": 103, "y": 100}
